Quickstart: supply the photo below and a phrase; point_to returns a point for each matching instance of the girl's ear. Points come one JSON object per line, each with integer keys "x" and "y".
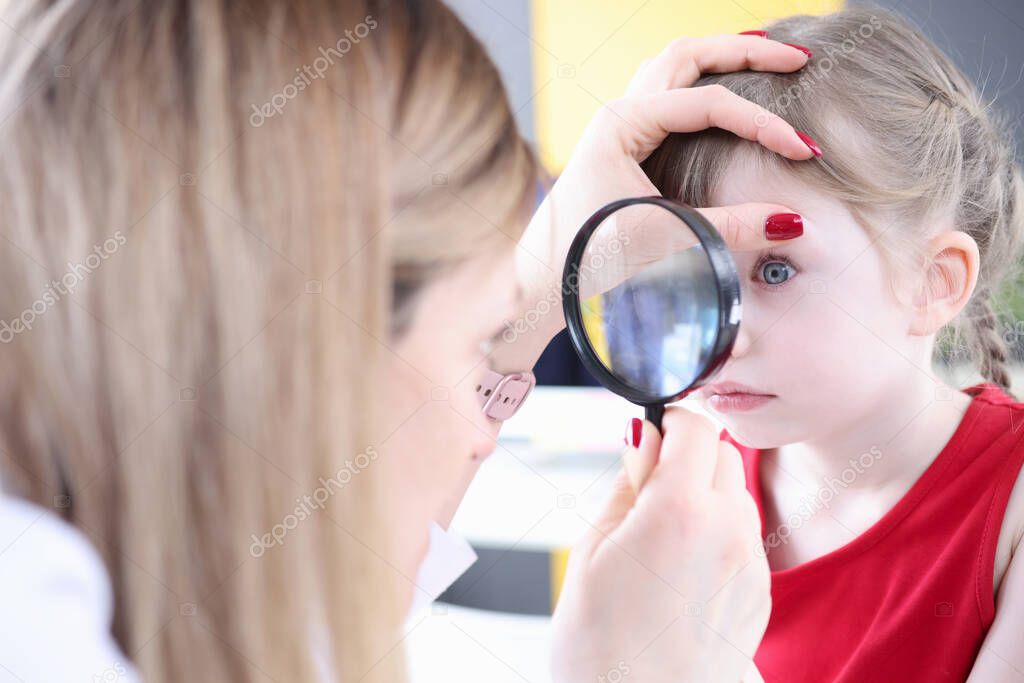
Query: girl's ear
{"x": 948, "y": 280}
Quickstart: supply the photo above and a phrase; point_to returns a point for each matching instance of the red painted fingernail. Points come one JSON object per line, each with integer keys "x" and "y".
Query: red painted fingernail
{"x": 809, "y": 141}
{"x": 783, "y": 226}
{"x": 763, "y": 34}
{"x": 801, "y": 48}
{"x": 634, "y": 430}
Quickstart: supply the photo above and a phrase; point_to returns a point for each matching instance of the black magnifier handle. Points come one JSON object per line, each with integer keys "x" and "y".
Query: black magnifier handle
{"x": 654, "y": 412}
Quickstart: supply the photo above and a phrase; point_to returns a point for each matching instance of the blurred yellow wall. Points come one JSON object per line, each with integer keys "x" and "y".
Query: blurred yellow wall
{"x": 584, "y": 52}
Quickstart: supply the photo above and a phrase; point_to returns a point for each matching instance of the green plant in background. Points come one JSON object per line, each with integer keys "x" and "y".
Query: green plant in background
{"x": 952, "y": 346}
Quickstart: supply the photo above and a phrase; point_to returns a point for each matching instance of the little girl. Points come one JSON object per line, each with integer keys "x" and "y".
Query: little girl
{"x": 892, "y": 505}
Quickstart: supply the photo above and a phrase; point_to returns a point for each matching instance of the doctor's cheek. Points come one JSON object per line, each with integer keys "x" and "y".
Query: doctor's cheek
{"x": 481, "y": 444}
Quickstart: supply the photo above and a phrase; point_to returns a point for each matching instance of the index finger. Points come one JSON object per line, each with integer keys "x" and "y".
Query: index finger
{"x": 754, "y": 226}
{"x": 684, "y": 60}
{"x": 689, "y": 110}
{"x": 642, "y": 123}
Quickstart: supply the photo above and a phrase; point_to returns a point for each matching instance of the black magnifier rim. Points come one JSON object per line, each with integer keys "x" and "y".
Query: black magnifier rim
{"x": 722, "y": 265}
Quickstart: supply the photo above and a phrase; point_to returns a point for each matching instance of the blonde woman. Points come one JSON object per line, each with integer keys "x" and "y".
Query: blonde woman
{"x": 256, "y": 251}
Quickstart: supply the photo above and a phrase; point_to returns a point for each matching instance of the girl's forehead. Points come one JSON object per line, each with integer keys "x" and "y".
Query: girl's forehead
{"x": 829, "y": 227}
{"x": 747, "y": 179}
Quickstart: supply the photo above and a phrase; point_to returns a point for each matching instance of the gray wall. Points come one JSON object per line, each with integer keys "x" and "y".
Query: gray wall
{"x": 984, "y": 37}
{"x": 504, "y": 27}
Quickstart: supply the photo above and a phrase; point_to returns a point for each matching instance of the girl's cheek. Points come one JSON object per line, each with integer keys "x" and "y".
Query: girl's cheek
{"x": 799, "y": 331}
{"x": 771, "y": 305}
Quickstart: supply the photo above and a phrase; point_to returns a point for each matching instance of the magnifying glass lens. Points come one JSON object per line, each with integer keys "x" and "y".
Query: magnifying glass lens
{"x": 656, "y": 329}
{"x": 654, "y": 299}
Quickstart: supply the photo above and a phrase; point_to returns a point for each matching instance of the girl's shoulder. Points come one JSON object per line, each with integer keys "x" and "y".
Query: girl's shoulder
{"x": 1000, "y": 651}
{"x": 1011, "y": 533}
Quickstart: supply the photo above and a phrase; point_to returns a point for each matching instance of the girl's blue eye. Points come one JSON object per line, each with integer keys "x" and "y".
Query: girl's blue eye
{"x": 776, "y": 272}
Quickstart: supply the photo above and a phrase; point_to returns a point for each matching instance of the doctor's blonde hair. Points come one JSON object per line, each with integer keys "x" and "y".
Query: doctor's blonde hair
{"x": 215, "y": 216}
{"x": 907, "y": 139}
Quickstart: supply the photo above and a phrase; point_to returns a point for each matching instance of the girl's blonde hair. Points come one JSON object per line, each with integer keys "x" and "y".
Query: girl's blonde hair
{"x": 216, "y": 217}
{"x": 907, "y": 138}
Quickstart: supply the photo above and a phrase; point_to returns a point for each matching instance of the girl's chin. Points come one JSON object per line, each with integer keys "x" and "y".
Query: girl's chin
{"x": 745, "y": 429}
{"x": 772, "y": 425}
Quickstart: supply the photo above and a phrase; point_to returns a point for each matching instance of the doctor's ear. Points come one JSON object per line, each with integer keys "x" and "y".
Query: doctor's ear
{"x": 947, "y": 281}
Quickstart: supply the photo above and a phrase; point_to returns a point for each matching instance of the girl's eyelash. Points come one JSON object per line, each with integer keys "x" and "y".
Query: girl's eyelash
{"x": 769, "y": 257}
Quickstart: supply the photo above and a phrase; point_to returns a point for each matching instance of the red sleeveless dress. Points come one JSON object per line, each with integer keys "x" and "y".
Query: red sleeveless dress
{"x": 911, "y": 598}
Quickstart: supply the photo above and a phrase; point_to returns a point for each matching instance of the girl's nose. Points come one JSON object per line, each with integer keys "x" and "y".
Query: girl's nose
{"x": 743, "y": 342}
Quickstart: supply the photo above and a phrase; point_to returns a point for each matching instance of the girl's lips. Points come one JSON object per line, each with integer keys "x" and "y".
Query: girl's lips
{"x": 727, "y": 397}
{"x": 738, "y": 402}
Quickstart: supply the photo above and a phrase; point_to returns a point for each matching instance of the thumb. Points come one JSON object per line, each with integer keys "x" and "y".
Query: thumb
{"x": 753, "y": 226}
{"x": 615, "y": 509}
{"x": 638, "y": 463}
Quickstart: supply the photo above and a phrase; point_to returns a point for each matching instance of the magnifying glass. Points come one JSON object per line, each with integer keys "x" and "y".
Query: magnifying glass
{"x": 651, "y": 299}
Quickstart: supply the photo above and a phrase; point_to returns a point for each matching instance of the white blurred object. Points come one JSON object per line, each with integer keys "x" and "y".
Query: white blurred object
{"x": 448, "y": 557}
{"x": 558, "y": 420}
{"x": 463, "y": 645}
{"x": 552, "y": 469}
{"x": 57, "y": 602}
